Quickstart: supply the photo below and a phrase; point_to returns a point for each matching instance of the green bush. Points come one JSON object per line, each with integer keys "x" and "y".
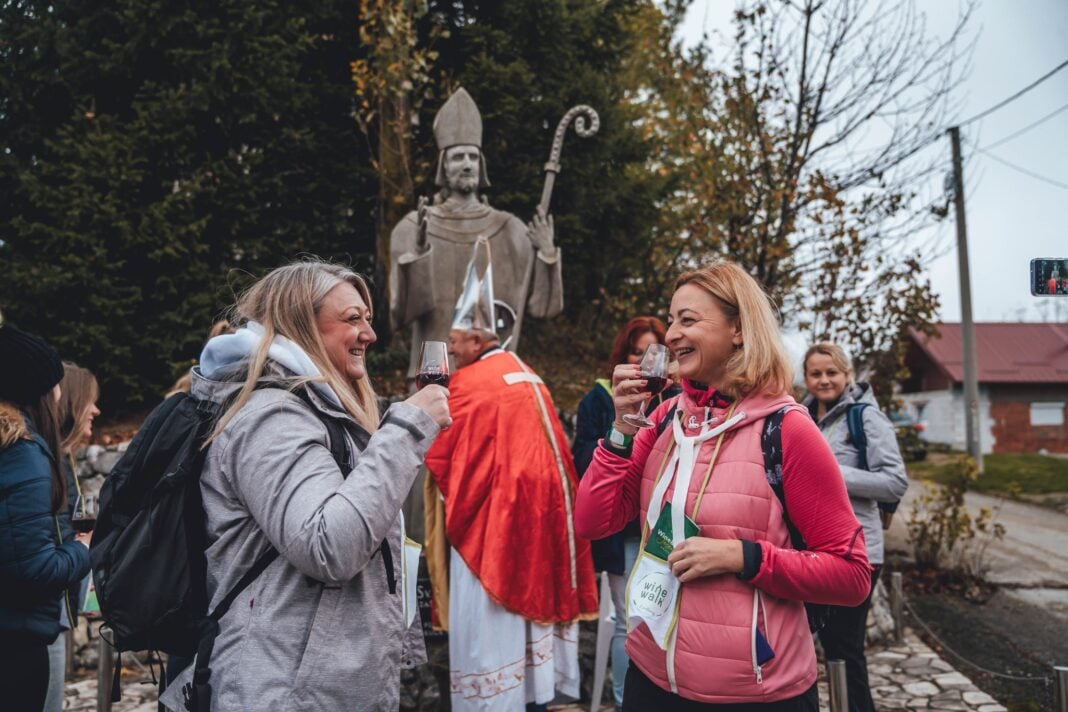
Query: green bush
{"x": 941, "y": 530}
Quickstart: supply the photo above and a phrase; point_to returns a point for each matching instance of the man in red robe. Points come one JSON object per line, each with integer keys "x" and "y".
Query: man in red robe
{"x": 519, "y": 578}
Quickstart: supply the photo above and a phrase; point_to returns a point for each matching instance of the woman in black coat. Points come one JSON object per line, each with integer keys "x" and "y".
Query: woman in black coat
{"x": 35, "y": 567}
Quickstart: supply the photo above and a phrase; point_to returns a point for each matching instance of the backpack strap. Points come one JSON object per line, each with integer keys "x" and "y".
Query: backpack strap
{"x": 855, "y": 421}
{"x": 666, "y": 420}
{"x": 771, "y": 447}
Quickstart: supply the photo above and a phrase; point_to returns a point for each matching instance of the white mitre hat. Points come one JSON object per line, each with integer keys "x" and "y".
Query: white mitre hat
{"x": 475, "y": 308}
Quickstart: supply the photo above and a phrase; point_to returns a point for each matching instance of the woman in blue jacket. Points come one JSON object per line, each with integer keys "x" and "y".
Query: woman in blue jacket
{"x": 35, "y": 568}
{"x": 76, "y": 411}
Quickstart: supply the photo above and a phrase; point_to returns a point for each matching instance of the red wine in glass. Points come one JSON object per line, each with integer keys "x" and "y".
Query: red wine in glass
{"x": 83, "y": 516}
{"x": 654, "y": 373}
{"x": 654, "y": 384}
{"x": 433, "y": 365}
{"x": 436, "y": 378}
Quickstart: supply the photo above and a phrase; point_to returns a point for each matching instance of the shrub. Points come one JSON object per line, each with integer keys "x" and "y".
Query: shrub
{"x": 941, "y": 530}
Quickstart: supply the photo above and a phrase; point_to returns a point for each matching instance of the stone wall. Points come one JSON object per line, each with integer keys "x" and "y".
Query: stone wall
{"x": 94, "y": 463}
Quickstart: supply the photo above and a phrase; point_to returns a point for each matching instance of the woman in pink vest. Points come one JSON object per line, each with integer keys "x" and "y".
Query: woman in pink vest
{"x": 714, "y": 603}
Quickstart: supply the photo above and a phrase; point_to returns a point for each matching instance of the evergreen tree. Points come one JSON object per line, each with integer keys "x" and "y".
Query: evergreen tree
{"x": 149, "y": 148}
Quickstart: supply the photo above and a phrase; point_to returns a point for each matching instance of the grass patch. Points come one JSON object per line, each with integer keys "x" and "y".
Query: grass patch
{"x": 1033, "y": 474}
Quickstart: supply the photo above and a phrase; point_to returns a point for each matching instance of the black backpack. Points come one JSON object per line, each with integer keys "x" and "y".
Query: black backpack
{"x": 148, "y": 559}
{"x": 855, "y": 423}
{"x": 771, "y": 446}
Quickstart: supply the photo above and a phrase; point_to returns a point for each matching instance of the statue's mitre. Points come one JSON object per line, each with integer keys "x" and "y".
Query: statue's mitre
{"x": 458, "y": 122}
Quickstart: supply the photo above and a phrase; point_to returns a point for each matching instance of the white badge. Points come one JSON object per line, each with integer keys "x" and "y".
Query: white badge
{"x": 410, "y": 572}
{"x": 651, "y": 597}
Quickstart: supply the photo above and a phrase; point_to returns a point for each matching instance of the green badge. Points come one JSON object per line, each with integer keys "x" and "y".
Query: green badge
{"x": 659, "y": 544}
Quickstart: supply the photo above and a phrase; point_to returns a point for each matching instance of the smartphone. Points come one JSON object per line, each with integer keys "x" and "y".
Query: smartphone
{"x": 1049, "y": 277}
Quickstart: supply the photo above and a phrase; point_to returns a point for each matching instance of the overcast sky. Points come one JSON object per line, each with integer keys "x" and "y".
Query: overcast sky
{"x": 1011, "y": 217}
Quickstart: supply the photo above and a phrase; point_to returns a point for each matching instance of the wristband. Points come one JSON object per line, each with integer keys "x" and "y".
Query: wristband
{"x": 618, "y": 439}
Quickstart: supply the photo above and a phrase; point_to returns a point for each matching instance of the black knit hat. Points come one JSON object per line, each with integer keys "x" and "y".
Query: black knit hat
{"x": 29, "y": 367}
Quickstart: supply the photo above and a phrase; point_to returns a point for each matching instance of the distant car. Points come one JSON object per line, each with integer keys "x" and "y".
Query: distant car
{"x": 910, "y": 436}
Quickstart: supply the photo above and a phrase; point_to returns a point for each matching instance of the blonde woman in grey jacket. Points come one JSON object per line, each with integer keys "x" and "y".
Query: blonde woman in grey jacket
{"x": 324, "y": 627}
{"x": 832, "y": 392}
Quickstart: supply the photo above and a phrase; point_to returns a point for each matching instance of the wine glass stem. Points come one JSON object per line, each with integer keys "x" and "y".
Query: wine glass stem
{"x": 641, "y": 410}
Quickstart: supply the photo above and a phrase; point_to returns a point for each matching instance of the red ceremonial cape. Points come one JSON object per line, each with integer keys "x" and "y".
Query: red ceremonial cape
{"x": 506, "y": 507}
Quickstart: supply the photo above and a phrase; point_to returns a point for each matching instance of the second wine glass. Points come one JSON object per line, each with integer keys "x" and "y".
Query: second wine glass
{"x": 433, "y": 365}
{"x": 654, "y": 372}
{"x": 83, "y": 517}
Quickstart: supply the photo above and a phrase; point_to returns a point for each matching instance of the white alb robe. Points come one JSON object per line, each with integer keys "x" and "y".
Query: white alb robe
{"x": 500, "y": 661}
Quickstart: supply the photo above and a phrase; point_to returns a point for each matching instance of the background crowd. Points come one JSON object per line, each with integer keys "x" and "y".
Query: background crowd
{"x": 776, "y": 504}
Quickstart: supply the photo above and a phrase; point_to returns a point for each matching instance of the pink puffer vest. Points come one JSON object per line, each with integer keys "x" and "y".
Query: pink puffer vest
{"x": 712, "y": 655}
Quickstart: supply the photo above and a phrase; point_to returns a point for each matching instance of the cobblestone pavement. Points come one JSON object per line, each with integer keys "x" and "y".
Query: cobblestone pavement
{"x": 136, "y": 696}
{"x": 903, "y": 677}
{"x": 910, "y": 676}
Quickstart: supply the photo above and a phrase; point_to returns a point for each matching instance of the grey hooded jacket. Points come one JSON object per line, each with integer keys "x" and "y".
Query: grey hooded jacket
{"x": 318, "y": 629}
{"x": 884, "y": 480}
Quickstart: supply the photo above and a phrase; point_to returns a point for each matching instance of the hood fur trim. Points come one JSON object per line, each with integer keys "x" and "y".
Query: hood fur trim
{"x": 12, "y": 426}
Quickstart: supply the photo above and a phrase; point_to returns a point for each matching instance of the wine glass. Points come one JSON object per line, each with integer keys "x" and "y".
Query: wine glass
{"x": 654, "y": 372}
{"x": 83, "y": 518}
{"x": 433, "y": 365}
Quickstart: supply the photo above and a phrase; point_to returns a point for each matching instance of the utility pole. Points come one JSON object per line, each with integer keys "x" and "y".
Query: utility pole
{"x": 967, "y": 326}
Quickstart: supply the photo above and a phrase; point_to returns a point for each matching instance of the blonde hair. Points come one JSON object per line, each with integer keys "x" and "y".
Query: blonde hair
{"x": 761, "y": 363}
{"x": 78, "y": 392}
{"x": 287, "y": 302}
{"x": 839, "y": 357}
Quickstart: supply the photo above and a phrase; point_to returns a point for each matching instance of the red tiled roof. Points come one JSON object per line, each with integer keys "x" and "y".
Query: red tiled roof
{"x": 1008, "y": 352}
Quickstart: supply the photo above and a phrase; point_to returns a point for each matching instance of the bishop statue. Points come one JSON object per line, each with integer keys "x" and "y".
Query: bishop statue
{"x": 433, "y": 246}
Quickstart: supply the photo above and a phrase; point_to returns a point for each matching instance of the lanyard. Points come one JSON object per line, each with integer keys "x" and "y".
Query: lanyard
{"x": 678, "y": 465}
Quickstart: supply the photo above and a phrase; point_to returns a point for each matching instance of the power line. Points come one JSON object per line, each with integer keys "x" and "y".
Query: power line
{"x": 1025, "y": 129}
{"x": 1023, "y": 170}
{"x": 937, "y": 135}
{"x": 1017, "y": 95}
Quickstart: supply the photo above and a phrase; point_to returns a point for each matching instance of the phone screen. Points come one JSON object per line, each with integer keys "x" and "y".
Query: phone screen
{"x": 1049, "y": 277}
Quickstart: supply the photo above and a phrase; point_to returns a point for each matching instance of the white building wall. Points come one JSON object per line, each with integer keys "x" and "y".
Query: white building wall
{"x": 942, "y": 413}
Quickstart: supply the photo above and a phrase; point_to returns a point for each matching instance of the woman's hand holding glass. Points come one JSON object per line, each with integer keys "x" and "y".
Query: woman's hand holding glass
{"x": 434, "y": 401}
{"x": 653, "y": 373}
{"x": 630, "y": 392}
{"x": 83, "y": 518}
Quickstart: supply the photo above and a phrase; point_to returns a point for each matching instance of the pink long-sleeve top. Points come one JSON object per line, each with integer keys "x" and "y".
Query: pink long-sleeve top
{"x": 833, "y": 569}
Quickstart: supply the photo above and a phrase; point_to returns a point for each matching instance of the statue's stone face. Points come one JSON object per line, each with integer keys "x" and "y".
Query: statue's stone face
{"x": 461, "y": 169}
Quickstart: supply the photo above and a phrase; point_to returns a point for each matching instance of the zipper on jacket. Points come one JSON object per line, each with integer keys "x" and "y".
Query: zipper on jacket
{"x": 758, "y": 603}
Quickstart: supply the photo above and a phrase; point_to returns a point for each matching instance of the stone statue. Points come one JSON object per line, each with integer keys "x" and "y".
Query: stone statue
{"x": 433, "y": 245}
